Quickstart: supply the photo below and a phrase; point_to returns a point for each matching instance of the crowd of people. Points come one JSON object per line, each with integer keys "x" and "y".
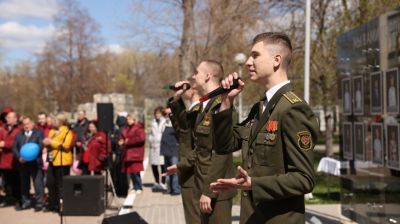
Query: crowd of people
{"x": 79, "y": 148}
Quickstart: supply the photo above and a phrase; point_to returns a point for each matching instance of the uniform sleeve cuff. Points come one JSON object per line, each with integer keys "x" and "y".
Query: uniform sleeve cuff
{"x": 223, "y": 115}
{"x": 257, "y": 191}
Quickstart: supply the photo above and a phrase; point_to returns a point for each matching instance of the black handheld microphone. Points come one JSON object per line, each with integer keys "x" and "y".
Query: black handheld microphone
{"x": 220, "y": 90}
{"x": 185, "y": 86}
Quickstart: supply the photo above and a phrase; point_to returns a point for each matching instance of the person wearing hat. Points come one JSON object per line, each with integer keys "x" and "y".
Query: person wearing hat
{"x": 3, "y": 114}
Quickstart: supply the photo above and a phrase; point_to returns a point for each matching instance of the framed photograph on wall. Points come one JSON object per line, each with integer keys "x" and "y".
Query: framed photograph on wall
{"x": 358, "y": 95}
{"x": 377, "y": 145}
{"x": 359, "y": 139}
{"x": 376, "y": 93}
{"x": 347, "y": 142}
{"x": 392, "y": 91}
{"x": 346, "y": 96}
{"x": 392, "y": 146}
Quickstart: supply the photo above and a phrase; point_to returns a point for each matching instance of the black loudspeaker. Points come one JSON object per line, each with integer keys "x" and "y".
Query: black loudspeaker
{"x": 83, "y": 195}
{"x": 130, "y": 218}
{"x": 105, "y": 116}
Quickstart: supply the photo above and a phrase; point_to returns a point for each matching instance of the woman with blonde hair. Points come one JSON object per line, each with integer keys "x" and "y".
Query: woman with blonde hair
{"x": 132, "y": 140}
{"x": 59, "y": 143}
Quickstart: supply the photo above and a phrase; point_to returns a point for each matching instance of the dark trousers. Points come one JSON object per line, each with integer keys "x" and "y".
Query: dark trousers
{"x": 221, "y": 213}
{"x": 156, "y": 174}
{"x": 191, "y": 206}
{"x": 54, "y": 183}
{"x": 84, "y": 167}
{"x": 34, "y": 170}
{"x": 12, "y": 184}
{"x": 136, "y": 180}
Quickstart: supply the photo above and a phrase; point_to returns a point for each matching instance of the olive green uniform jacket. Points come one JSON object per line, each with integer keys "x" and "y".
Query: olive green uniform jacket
{"x": 277, "y": 150}
{"x": 183, "y": 128}
{"x": 183, "y": 122}
{"x": 208, "y": 165}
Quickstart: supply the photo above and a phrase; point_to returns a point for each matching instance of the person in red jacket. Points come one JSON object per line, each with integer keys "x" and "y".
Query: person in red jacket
{"x": 42, "y": 124}
{"x": 7, "y": 161}
{"x": 132, "y": 139}
{"x": 95, "y": 149}
{"x": 3, "y": 114}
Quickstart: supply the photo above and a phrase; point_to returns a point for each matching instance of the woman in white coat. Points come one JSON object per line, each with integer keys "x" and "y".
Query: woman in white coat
{"x": 156, "y": 160}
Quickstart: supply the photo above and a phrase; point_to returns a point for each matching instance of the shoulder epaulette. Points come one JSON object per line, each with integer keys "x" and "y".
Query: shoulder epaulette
{"x": 292, "y": 97}
{"x": 196, "y": 107}
{"x": 216, "y": 102}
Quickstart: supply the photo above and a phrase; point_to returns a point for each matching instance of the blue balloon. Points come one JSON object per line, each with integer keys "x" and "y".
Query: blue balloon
{"x": 29, "y": 151}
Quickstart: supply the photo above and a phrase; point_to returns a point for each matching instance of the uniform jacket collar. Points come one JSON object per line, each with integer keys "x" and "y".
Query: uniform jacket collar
{"x": 264, "y": 116}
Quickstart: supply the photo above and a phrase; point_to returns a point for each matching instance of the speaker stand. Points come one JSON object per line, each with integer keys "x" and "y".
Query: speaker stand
{"x": 110, "y": 188}
{"x": 109, "y": 185}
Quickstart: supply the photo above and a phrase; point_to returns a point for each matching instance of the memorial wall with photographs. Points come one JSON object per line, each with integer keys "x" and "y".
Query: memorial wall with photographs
{"x": 368, "y": 62}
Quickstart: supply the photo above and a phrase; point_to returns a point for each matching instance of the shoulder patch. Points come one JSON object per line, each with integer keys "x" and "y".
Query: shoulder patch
{"x": 304, "y": 140}
{"x": 292, "y": 97}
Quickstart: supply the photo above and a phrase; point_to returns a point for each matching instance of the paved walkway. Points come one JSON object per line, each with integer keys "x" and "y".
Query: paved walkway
{"x": 159, "y": 208}
{"x": 156, "y": 208}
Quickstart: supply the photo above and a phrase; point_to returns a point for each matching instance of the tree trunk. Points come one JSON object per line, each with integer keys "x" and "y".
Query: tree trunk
{"x": 186, "y": 48}
{"x": 328, "y": 130}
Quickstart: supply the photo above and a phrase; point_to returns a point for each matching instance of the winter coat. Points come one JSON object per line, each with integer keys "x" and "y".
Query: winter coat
{"x": 61, "y": 145}
{"x": 169, "y": 143}
{"x": 45, "y": 129}
{"x": 80, "y": 129}
{"x": 21, "y": 139}
{"x": 96, "y": 151}
{"x": 155, "y": 135}
{"x": 133, "y": 151}
{"x": 7, "y": 160}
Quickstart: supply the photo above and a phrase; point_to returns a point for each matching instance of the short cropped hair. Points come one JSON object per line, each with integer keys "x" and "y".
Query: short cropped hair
{"x": 216, "y": 68}
{"x": 280, "y": 39}
{"x": 27, "y": 117}
{"x": 42, "y": 113}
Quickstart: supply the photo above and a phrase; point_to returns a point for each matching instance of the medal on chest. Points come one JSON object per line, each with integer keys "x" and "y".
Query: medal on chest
{"x": 206, "y": 121}
{"x": 271, "y": 127}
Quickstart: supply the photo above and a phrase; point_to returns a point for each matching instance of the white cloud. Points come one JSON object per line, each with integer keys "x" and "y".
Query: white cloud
{"x": 15, "y": 9}
{"x": 31, "y": 38}
{"x": 112, "y": 48}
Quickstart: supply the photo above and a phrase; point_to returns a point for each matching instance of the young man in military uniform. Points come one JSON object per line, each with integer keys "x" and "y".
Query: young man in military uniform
{"x": 208, "y": 166}
{"x": 277, "y": 139}
{"x": 186, "y": 161}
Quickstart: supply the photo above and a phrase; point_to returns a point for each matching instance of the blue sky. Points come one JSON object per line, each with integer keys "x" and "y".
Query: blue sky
{"x": 25, "y": 25}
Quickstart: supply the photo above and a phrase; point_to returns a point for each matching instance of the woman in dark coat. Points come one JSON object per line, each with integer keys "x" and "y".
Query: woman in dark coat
{"x": 133, "y": 139}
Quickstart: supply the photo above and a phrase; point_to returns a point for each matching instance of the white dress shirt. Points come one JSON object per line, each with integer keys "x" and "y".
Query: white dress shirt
{"x": 271, "y": 92}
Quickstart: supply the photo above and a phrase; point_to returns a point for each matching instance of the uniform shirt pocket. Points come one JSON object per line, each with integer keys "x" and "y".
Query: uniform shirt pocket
{"x": 265, "y": 151}
{"x": 203, "y": 138}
